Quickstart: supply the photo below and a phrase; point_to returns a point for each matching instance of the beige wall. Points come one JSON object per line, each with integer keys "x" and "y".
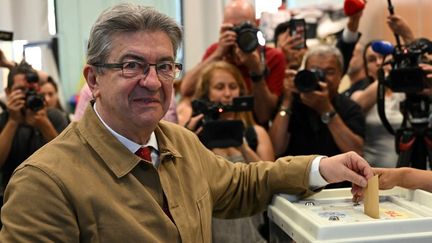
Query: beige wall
{"x": 418, "y": 13}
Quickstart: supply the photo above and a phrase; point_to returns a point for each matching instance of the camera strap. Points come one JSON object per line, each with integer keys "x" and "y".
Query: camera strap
{"x": 381, "y": 101}
{"x": 263, "y": 55}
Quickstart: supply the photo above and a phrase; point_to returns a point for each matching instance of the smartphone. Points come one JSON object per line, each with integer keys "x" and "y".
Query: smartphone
{"x": 298, "y": 26}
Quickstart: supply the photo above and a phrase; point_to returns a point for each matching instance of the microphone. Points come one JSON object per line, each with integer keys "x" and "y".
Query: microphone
{"x": 352, "y": 7}
{"x": 382, "y": 47}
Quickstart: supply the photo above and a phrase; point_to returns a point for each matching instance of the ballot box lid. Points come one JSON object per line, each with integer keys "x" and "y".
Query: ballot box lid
{"x": 331, "y": 216}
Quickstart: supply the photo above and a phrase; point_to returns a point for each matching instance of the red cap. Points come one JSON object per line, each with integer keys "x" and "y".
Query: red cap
{"x": 352, "y": 7}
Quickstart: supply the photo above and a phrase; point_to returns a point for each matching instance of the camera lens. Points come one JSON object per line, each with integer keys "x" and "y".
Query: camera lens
{"x": 34, "y": 101}
{"x": 247, "y": 41}
{"x": 32, "y": 77}
{"x": 247, "y": 38}
{"x": 308, "y": 80}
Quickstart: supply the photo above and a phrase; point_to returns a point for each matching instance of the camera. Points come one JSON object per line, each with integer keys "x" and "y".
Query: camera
{"x": 247, "y": 36}
{"x": 33, "y": 100}
{"x": 308, "y": 80}
{"x": 221, "y": 133}
{"x": 406, "y": 75}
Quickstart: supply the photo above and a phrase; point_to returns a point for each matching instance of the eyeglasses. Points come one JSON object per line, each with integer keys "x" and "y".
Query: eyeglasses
{"x": 166, "y": 71}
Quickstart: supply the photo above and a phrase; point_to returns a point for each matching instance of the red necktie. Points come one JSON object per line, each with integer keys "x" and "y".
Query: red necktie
{"x": 144, "y": 153}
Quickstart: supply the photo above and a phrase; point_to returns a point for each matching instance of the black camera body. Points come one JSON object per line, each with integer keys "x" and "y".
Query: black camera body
{"x": 247, "y": 38}
{"x": 33, "y": 100}
{"x": 212, "y": 110}
{"x": 308, "y": 80}
{"x": 406, "y": 74}
{"x": 221, "y": 133}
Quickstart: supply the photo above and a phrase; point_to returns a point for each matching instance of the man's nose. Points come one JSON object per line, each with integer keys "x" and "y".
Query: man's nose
{"x": 151, "y": 80}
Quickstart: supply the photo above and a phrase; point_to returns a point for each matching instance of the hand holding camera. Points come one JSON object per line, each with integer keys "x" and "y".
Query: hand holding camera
{"x": 227, "y": 41}
{"x": 195, "y": 123}
{"x": 313, "y": 89}
{"x": 251, "y": 60}
{"x": 15, "y": 105}
{"x": 239, "y": 43}
{"x": 288, "y": 87}
{"x": 319, "y": 100}
{"x": 38, "y": 119}
{"x": 427, "y": 68}
{"x": 399, "y": 26}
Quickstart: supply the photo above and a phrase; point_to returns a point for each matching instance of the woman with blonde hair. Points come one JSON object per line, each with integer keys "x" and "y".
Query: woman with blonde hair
{"x": 221, "y": 82}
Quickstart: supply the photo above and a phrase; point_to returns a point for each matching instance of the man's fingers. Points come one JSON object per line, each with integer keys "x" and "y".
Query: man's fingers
{"x": 355, "y": 178}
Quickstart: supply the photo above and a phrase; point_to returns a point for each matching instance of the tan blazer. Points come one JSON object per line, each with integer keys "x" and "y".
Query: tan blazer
{"x": 85, "y": 186}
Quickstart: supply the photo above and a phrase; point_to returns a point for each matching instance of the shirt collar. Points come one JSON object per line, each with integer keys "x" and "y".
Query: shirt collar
{"x": 129, "y": 144}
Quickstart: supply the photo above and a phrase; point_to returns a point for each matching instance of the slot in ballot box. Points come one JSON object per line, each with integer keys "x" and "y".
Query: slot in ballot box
{"x": 331, "y": 216}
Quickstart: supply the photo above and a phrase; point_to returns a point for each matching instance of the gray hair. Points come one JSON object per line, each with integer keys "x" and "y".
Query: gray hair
{"x": 124, "y": 18}
{"x": 325, "y": 50}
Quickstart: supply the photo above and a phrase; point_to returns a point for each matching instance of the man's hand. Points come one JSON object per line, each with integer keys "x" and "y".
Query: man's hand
{"x": 288, "y": 87}
{"x": 319, "y": 100}
{"x": 194, "y": 123}
{"x": 347, "y": 167}
{"x": 427, "y": 68}
{"x": 227, "y": 41}
{"x": 15, "y": 104}
{"x": 4, "y": 62}
{"x": 288, "y": 44}
{"x": 251, "y": 60}
{"x": 38, "y": 119}
{"x": 354, "y": 21}
{"x": 400, "y": 27}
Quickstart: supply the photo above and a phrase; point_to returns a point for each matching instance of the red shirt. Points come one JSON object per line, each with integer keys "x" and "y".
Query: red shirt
{"x": 275, "y": 62}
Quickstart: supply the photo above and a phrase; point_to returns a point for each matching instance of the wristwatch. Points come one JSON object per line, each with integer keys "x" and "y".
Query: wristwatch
{"x": 327, "y": 116}
{"x": 283, "y": 111}
{"x": 257, "y": 77}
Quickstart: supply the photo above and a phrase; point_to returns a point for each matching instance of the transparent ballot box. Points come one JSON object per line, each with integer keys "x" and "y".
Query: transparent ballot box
{"x": 331, "y": 216}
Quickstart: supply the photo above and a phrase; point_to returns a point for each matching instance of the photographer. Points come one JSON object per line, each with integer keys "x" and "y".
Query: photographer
{"x": 379, "y": 147}
{"x": 318, "y": 120}
{"x": 27, "y": 124}
{"x": 221, "y": 82}
{"x": 262, "y": 68}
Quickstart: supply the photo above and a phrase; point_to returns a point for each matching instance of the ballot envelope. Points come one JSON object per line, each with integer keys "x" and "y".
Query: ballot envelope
{"x": 331, "y": 216}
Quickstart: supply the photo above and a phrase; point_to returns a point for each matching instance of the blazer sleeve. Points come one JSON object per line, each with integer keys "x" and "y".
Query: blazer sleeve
{"x": 18, "y": 219}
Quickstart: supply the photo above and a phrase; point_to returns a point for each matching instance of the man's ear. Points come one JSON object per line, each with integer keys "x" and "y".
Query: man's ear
{"x": 90, "y": 74}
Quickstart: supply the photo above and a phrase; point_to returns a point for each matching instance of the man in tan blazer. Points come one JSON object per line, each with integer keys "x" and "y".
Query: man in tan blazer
{"x": 87, "y": 185}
